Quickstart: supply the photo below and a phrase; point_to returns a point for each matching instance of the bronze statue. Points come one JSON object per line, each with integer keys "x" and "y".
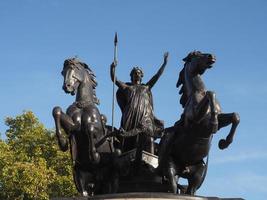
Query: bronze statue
{"x": 95, "y": 147}
{"x": 187, "y": 143}
{"x": 136, "y": 104}
{"x": 91, "y": 153}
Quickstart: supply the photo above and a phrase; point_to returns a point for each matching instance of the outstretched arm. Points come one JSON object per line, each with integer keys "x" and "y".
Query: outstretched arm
{"x": 113, "y": 78}
{"x": 155, "y": 78}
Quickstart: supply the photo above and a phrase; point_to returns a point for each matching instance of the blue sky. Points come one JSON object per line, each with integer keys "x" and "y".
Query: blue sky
{"x": 37, "y": 36}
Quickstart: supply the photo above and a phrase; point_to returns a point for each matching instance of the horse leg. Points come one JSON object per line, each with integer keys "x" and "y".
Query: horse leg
{"x": 171, "y": 174}
{"x": 191, "y": 189}
{"x": 225, "y": 120}
{"x": 165, "y": 144}
{"x": 114, "y": 182}
{"x": 214, "y": 112}
{"x": 62, "y": 121}
{"x": 209, "y": 101}
{"x": 76, "y": 179}
{"x": 196, "y": 179}
{"x": 80, "y": 181}
{"x": 88, "y": 123}
{"x": 111, "y": 184}
{"x": 181, "y": 188}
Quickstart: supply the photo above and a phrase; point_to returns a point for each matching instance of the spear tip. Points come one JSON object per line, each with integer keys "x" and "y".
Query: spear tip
{"x": 116, "y": 38}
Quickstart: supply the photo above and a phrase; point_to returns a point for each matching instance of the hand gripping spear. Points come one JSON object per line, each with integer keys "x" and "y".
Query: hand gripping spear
{"x": 114, "y": 77}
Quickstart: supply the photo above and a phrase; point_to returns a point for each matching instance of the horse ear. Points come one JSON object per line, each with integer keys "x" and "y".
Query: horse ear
{"x": 187, "y": 58}
{"x": 85, "y": 65}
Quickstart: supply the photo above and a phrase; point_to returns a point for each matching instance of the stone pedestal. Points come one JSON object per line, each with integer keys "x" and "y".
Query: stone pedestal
{"x": 145, "y": 196}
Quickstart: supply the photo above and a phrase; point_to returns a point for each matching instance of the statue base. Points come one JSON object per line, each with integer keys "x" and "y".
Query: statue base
{"x": 140, "y": 182}
{"x": 140, "y": 175}
{"x": 145, "y": 196}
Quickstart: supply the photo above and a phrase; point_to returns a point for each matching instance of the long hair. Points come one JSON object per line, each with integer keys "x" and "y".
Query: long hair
{"x": 136, "y": 69}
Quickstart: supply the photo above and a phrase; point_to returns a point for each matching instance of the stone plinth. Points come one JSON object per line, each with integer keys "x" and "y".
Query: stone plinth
{"x": 145, "y": 196}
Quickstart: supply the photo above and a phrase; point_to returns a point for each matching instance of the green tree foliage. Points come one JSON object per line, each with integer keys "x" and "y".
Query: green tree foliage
{"x": 31, "y": 164}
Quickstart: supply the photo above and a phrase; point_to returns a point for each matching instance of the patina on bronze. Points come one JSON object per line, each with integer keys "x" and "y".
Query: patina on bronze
{"x": 136, "y": 103}
{"x": 99, "y": 167}
{"x": 85, "y": 128}
{"x": 187, "y": 143}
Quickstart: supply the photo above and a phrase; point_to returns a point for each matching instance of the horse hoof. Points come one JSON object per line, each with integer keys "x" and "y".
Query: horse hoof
{"x": 63, "y": 144}
{"x": 117, "y": 152}
{"x": 57, "y": 111}
{"x": 85, "y": 194}
{"x": 223, "y": 144}
{"x": 96, "y": 157}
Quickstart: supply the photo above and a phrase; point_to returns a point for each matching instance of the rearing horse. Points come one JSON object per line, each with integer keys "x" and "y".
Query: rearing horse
{"x": 187, "y": 143}
{"x": 84, "y": 126}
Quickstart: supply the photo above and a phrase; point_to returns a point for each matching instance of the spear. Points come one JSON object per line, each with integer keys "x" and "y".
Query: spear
{"x": 114, "y": 77}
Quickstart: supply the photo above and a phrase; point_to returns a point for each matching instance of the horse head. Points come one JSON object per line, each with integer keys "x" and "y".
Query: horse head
{"x": 73, "y": 73}
{"x": 77, "y": 73}
{"x": 195, "y": 65}
{"x": 85, "y": 127}
{"x": 202, "y": 60}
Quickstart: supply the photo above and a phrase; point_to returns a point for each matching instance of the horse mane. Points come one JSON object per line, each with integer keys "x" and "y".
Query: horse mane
{"x": 92, "y": 78}
{"x": 182, "y": 91}
{"x": 181, "y": 79}
{"x": 91, "y": 75}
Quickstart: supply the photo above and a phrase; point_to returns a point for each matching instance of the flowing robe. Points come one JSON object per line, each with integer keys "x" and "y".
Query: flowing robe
{"x": 136, "y": 105}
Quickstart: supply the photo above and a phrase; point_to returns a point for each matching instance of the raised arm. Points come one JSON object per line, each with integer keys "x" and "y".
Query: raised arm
{"x": 120, "y": 84}
{"x": 155, "y": 78}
